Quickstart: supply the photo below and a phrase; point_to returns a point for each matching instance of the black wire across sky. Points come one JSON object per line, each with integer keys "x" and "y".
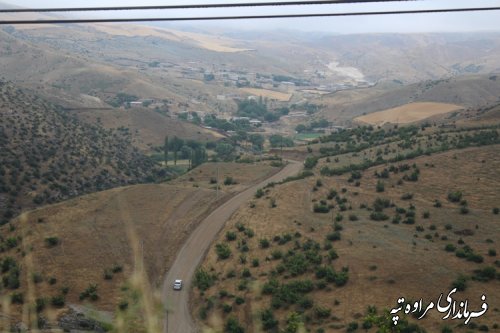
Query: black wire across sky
{"x": 227, "y": 17}
{"x": 196, "y": 6}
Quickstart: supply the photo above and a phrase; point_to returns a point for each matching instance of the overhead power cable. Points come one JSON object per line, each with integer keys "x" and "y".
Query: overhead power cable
{"x": 195, "y": 6}
{"x": 246, "y": 17}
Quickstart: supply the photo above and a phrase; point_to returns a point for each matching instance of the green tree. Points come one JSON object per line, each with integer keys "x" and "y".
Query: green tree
{"x": 224, "y": 151}
{"x": 198, "y": 157}
{"x": 301, "y": 128}
{"x": 175, "y": 145}
{"x": 257, "y": 141}
{"x": 165, "y": 151}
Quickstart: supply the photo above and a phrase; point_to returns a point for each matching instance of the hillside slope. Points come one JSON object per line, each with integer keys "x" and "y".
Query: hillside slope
{"x": 470, "y": 91}
{"x": 48, "y": 156}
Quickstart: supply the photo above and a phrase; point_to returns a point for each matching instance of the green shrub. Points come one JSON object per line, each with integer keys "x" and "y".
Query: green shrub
{"x": 496, "y": 210}
{"x": 203, "y": 279}
{"x": 58, "y": 301}
{"x": 233, "y": 326}
{"x": 52, "y": 241}
{"x": 332, "y": 254}
{"x": 455, "y": 196}
{"x": 90, "y": 292}
{"x": 407, "y": 196}
{"x": 40, "y": 304}
{"x": 380, "y": 187}
{"x": 446, "y": 329}
{"x": 108, "y": 275}
{"x": 17, "y": 298}
{"x": 320, "y": 208}
{"x": 249, "y": 233}
{"x": 378, "y": 216}
{"x": 296, "y": 264}
{"x": 223, "y": 251}
{"x": 227, "y": 308}
{"x": 230, "y": 236}
{"x": 264, "y": 243}
{"x": 460, "y": 283}
{"x": 352, "y": 326}
{"x": 333, "y": 236}
{"x": 246, "y": 273}
{"x": 277, "y": 254}
{"x": 322, "y": 312}
{"x": 268, "y": 320}
{"x": 450, "y": 248}
{"x": 229, "y": 181}
{"x": 485, "y": 274}
{"x": 117, "y": 269}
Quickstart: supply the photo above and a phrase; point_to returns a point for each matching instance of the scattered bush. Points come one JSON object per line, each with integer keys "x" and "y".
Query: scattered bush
{"x": 380, "y": 187}
{"x": 455, "y": 196}
{"x": 52, "y": 241}
{"x": 269, "y": 322}
{"x": 320, "y": 208}
{"x": 233, "y": 326}
{"x": 460, "y": 283}
{"x": 223, "y": 251}
{"x": 59, "y": 301}
{"x": 407, "y": 196}
{"x": 264, "y": 243}
{"x": 90, "y": 292}
{"x": 230, "y": 236}
{"x": 17, "y": 298}
{"x": 450, "y": 248}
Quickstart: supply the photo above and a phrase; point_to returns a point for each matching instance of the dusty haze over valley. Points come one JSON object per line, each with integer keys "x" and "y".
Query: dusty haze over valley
{"x": 297, "y": 175}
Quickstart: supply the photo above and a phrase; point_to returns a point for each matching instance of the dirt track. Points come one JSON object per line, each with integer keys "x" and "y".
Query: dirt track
{"x": 179, "y": 318}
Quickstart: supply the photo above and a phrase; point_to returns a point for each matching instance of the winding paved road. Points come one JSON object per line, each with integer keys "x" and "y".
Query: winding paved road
{"x": 178, "y": 319}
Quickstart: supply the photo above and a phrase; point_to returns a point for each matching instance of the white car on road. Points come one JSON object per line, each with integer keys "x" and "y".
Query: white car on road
{"x": 177, "y": 284}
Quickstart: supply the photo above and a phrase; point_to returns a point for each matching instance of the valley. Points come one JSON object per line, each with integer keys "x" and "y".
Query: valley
{"x": 294, "y": 181}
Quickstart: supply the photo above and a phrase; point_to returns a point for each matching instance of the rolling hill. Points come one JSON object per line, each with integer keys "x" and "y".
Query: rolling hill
{"x": 49, "y": 156}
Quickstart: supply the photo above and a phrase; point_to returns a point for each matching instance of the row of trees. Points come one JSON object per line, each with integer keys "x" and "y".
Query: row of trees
{"x": 192, "y": 150}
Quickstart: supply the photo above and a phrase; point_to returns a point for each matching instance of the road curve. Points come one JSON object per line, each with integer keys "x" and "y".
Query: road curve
{"x": 178, "y": 318}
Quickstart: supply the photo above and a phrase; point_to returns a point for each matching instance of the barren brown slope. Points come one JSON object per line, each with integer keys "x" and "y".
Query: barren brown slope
{"x": 179, "y": 318}
{"x": 147, "y": 127}
{"x": 94, "y": 234}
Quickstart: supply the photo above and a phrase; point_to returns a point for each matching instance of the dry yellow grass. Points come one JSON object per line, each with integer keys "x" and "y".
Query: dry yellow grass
{"x": 217, "y": 44}
{"x": 386, "y": 261}
{"x": 147, "y": 126}
{"x": 408, "y": 113}
{"x": 94, "y": 236}
{"x": 138, "y": 227}
{"x": 279, "y": 96}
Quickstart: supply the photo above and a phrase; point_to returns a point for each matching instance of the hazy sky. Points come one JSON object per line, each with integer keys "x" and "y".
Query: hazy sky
{"x": 449, "y": 22}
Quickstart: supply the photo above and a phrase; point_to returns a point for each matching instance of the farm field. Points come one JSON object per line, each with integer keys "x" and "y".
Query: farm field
{"x": 408, "y": 113}
{"x": 271, "y": 94}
